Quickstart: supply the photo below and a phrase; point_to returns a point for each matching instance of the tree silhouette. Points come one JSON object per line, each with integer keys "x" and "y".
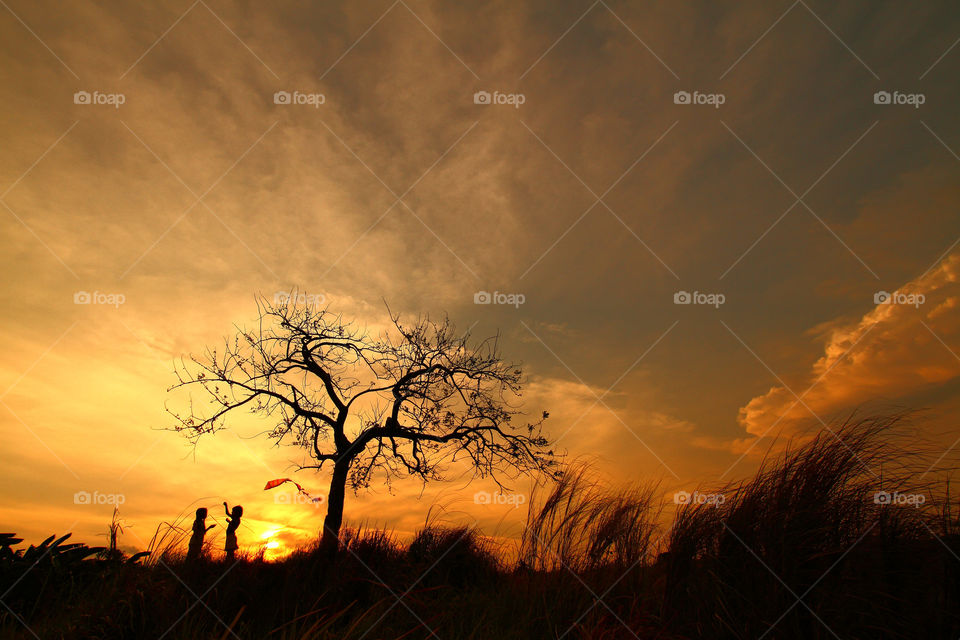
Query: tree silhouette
{"x": 408, "y": 401}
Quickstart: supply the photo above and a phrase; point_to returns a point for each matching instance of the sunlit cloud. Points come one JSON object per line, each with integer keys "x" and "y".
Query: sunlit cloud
{"x": 906, "y": 343}
{"x": 595, "y": 200}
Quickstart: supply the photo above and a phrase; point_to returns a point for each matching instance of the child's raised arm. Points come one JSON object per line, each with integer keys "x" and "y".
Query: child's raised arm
{"x": 226, "y": 509}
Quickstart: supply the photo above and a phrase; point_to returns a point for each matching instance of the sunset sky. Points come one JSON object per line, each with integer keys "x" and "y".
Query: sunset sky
{"x": 192, "y": 187}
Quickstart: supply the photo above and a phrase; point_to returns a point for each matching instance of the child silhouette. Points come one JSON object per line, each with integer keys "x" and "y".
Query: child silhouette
{"x": 199, "y": 530}
{"x": 233, "y": 520}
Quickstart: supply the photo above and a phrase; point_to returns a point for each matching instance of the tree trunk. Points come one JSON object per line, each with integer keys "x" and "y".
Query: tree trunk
{"x": 330, "y": 542}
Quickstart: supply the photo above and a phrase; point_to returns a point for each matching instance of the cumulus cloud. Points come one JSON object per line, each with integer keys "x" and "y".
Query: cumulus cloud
{"x": 893, "y": 351}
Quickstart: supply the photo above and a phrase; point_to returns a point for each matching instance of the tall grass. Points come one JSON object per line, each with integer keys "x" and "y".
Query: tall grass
{"x": 813, "y": 522}
{"x": 580, "y": 524}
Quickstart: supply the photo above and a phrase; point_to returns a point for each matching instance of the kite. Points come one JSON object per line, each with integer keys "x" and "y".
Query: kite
{"x": 279, "y": 481}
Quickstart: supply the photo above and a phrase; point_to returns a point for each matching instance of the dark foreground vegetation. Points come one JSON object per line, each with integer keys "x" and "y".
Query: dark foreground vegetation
{"x": 804, "y": 549}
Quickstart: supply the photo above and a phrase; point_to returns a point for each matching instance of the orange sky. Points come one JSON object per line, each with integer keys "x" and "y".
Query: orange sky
{"x": 598, "y": 199}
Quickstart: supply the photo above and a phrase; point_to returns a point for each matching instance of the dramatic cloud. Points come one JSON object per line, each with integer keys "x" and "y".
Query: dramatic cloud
{"x": 901, "y": 347}
{"x": 584, "y": 210}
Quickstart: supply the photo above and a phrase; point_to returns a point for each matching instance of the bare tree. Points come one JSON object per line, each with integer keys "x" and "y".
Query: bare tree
{"x": 408, "y": 401}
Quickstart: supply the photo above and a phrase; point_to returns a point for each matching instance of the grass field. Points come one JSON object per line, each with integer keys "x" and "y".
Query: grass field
{"x": 810, "y": 547}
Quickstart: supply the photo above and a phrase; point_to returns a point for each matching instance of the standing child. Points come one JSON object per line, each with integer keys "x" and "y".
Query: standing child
{"x": 199, "y": 530}
{"x": 233, "y": 520}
